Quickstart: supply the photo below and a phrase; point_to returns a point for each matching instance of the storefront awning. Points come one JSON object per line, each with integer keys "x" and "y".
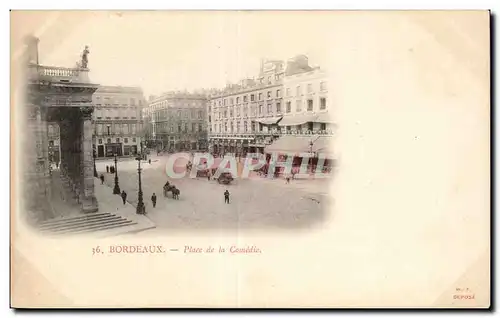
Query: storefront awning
{"x": 324, "y": 118}
{"x": 297, "y": 120}
{"x": 269, "y": 121}
{"x": 290, "y": 144}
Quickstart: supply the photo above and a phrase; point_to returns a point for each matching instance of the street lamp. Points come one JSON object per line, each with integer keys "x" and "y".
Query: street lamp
{"x": 311, "y": 144}
{"x": 95, "y": 170}
{"x": 116, "y": 189}
{"x": 141, "y": 209}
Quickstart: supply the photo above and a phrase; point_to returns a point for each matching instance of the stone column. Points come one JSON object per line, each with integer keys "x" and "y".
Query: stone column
{"x": 64, "y": 143}
{"x": 72, "y": 164}
{"x": 42, "y": 191}
{"x": 33, "y": 192}
{"x": 89, "y": 201}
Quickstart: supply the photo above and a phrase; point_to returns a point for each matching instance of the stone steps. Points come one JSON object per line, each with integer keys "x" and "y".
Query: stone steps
{"x": 75, "y": 222}
{"x": 66, "y": 219}
{"x": 85, "y": 224}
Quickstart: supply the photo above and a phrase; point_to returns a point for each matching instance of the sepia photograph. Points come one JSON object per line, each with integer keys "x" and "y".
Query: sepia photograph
{"x": 250, "y": 159}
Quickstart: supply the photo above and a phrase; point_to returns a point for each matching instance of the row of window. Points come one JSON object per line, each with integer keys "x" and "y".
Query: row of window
{"x": 105, "y": 100}
{"x": 165, "y": 104}
{"x": 260, "y": 110}
{"x": 163, "y": 114}
{"x": 164, "y": 127}
{"x": 253, "y": 127}
{"x": 108, "y": 140}
{"x": 244, "y": 98}
{"x": 116, "y": 112}
{"x": 309, "y": 89}
{"x": 115, "y": 128}
{"x": 309, "y": 105}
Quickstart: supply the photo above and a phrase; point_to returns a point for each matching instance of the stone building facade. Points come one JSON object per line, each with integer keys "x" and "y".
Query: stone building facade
{"x": 117, "y": 121}
{"x": 285, "y": 110}
{"x": 176, "y": 121}
{"x": 306, "y": 98}
{"x": 307, "y": 126}
{"x": 240, "y": 115}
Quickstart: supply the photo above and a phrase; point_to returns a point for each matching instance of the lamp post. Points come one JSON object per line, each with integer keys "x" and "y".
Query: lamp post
{"x": 141, "y": 209}
{"x": 311, "y": 144}
{"x": 95, "y": 169}
{"x": 116, "y": 189}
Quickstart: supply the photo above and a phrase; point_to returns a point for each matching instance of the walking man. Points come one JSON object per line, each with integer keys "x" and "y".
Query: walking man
{"x": 226, "y": 196}
{"x": 153, "y": 199}
{"x": 102, "y": 178}
{"x": 124, "y": 196}
{"x": 107, "y": 169}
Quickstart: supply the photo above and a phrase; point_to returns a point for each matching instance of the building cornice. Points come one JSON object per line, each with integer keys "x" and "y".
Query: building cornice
{"x": 246, "y": 90}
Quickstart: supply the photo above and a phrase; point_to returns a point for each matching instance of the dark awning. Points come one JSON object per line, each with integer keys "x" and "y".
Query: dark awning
{"x": 269, "y": 120}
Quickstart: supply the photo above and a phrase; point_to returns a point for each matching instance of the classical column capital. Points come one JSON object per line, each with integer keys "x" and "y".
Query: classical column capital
{"x": 86, "y": 112}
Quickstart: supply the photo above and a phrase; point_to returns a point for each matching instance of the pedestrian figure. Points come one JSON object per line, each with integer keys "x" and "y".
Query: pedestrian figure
{"x": 57, "y": 164}
{"x": 149, "y": 161}
{"x": 287, "y": 179}
{"x": 153, "y": 199}
{"x": 226, "y": 196}
{"x": 208, "y": 175}
{"x": 107, "y": 169}
{"x": 102, "y": 178}
{"x": 124, "y": 196}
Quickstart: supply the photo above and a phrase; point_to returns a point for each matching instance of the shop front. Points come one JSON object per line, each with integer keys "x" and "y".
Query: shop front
{"x": 114, "y": 148}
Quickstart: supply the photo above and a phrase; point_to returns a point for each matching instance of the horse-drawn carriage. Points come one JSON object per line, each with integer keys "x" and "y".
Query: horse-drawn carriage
{"x": 171, "y": 188}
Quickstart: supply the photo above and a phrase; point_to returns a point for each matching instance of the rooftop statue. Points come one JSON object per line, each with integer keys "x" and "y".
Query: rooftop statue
{"x": 85, "y": 59}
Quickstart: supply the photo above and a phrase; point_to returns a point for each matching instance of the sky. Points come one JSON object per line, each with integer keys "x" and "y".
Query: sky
{"x": 162, "y": 51}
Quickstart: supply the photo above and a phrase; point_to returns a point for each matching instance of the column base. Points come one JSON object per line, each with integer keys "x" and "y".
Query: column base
{"x": 116, "y": 189}
{"x": 90, "y": 205}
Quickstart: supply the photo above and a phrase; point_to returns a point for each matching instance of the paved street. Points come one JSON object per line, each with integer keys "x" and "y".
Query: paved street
{"x": 256, "y": 203}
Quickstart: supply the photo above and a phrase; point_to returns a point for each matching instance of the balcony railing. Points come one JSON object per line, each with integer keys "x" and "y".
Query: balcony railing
{"x": 58, "y": 74}
{"x": 272, "y": 133}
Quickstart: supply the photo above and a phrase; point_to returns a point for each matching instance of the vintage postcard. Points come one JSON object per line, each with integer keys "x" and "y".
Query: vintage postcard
{"x": 250, "y": 159}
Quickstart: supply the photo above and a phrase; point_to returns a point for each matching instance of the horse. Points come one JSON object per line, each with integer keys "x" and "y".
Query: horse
{"x": 173, "y": 189}
{"x": 175, "y": 193}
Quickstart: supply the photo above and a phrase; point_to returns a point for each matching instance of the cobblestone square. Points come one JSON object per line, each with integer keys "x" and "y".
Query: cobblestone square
{"x": 255, "y": 203}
